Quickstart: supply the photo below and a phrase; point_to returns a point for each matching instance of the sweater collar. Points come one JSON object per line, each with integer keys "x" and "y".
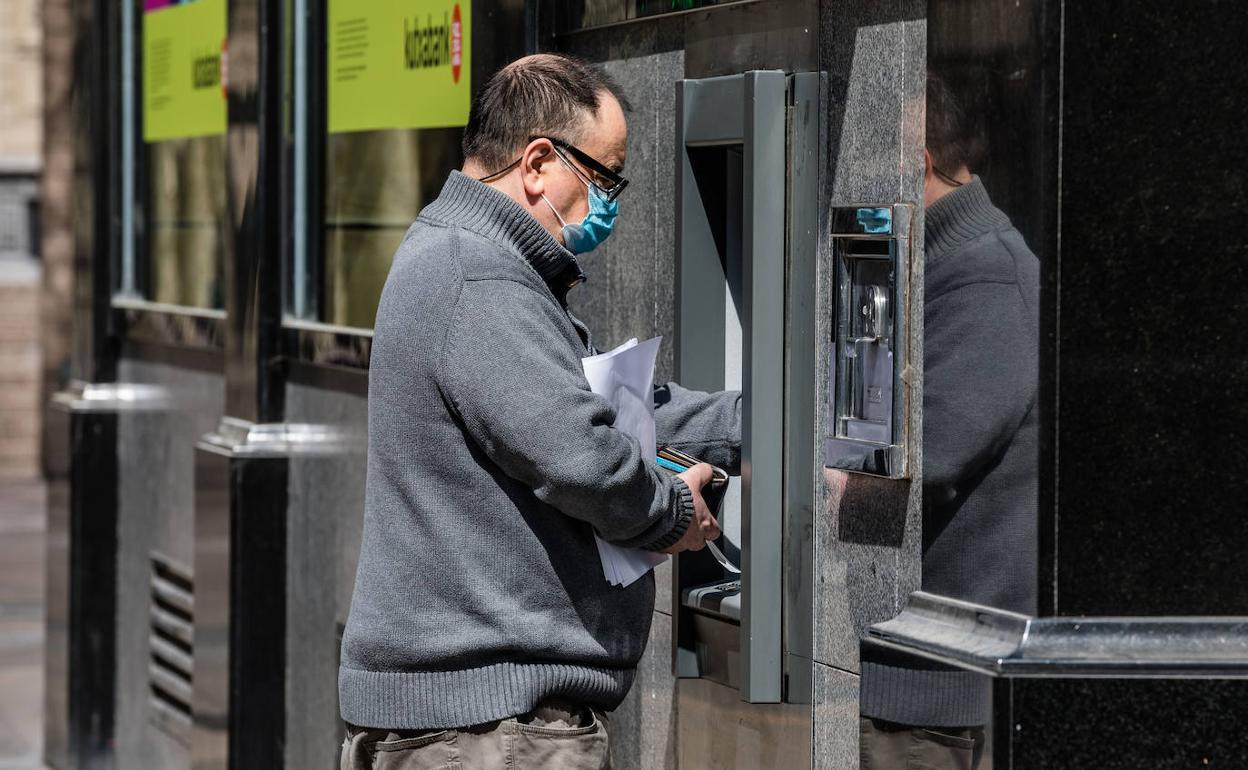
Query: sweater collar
{"x": 477, "y": 207}
{"x": 960, "y": 216}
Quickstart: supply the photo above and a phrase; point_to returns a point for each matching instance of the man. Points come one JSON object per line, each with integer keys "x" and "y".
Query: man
{"x": 482, "y": 631}
{"x": 980, "y": 450}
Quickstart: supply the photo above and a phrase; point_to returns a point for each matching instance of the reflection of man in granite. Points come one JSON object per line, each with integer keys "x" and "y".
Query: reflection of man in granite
{"x": 980, "y": 450}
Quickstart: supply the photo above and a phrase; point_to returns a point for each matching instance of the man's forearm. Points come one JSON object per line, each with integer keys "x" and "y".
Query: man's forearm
{"x": 705, "y": 425}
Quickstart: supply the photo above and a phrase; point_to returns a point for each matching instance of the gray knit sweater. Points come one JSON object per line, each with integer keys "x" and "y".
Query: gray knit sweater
{"x": 491, "y": 464}
{"x": 980, "y": 446}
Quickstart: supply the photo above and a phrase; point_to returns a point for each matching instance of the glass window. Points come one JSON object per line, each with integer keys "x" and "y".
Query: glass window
{"x": 381, "y": 98}
{"x": 186, "y": 221}
{"x": 173, "y": 153}
{"x": 376, "y": 182}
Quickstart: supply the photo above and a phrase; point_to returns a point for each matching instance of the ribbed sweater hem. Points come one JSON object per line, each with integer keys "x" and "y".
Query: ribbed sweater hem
{"x": 924, "y": 697}
{"x": 435, "y": 700}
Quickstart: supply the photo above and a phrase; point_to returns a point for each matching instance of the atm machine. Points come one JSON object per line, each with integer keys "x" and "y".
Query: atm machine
{"x": 739, "y": 239}
{"x": 731, "y": 271}
{"x": 750, "y": 261}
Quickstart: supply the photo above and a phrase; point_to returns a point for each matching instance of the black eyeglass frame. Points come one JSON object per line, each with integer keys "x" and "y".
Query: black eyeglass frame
{"x": 618, "y": 182}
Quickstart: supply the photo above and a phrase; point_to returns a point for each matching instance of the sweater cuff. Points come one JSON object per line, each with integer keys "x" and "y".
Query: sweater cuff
{"x": 681, "y": 516}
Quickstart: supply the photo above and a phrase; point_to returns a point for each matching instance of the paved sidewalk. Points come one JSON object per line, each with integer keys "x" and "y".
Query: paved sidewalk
{"x": 22, "y": 526}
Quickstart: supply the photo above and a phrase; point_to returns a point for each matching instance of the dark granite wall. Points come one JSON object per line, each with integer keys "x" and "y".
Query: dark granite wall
{"x": 1146, "y": 365}
{"x": 1129, "y": 725}
{"x": 1152, "y": 423}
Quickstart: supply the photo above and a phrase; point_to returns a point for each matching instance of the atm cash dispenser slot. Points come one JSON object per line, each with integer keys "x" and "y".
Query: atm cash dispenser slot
{"x": 867, "y": 423}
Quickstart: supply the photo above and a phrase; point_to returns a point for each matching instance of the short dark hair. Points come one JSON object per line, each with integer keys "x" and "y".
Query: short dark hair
{"x": 953, "y": 137}
{"x": 543, "y": 95}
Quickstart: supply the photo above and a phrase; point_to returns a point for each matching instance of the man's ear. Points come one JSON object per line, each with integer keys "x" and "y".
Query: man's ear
{"x": 537, "y": 154}
{"x": 927, "y": 164}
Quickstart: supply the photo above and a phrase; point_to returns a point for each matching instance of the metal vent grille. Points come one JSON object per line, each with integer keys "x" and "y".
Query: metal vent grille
{"x": 171, "y": 647}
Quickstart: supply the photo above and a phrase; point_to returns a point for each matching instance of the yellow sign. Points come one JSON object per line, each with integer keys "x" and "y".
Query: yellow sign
{"x": 183, "y": 69}
{"x": 399, "y": 64}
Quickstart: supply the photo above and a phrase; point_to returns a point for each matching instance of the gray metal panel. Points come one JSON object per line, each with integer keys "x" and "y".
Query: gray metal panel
{"x": 326, "y": 510}
{"x": 1005, "y": 644}
{"x": 762, "y": 446}
{"x": 210, "y": 738}
{"x": 698, "y": 366}
{"x": 1001, "y": 643}
{"x": 708, "y": 111}
{"x": 800, "y": 435}
{"x": 156, "y": 498}
{"x": 706, "y": 119}
{"x": 56, "y": 663}
{"x": 713, "y": 110}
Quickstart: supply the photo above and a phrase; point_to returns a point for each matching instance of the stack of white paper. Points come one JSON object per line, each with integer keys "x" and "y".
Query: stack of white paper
{"x": 625, "y": 377}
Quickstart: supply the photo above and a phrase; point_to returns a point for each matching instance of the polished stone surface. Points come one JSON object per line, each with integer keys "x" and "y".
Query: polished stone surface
{"x": 1146, "y": 516}
{"x": 875, "y": 54}
{"x": 1125, "y": 725}
{"x": 630, "y": 291}
{"x": 1143, "y": 371}
{"x": 836, "y": 719}
{"x": 868, "y": 530}
{"x": 1152, "y": 423}
{"x": 326, "y": 516}
{"x": 663, "y": 588}
{"x": 643, "y": 728}
{"x": 22, "y": 533}
{"x": 866, "y": 562}
{"x": 718, "y": 731}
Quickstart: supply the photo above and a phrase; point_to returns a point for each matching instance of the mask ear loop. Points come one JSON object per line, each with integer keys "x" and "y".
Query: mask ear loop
{"x": 510, "y": 166}
{"x": 555, "y": 211}
{"x": 564, "y": 161}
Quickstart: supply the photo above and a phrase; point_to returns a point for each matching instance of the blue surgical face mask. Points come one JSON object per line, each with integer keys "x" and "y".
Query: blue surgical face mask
{"x": 590, "y": 232}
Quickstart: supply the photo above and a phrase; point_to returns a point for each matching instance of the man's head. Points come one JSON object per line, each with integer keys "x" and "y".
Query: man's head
{"x": 521, "y": 109}
{"x": 953, "y": 144}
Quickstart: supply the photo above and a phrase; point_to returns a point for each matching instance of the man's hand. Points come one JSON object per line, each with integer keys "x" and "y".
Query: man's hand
{"x": 703, "y": 526}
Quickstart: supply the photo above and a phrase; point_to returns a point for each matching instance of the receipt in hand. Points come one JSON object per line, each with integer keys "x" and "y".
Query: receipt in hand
{"x": 625, "y": 377}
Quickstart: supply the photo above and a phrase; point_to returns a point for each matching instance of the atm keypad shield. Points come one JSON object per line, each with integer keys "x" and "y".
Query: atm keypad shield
{"x": 867, "y": 394}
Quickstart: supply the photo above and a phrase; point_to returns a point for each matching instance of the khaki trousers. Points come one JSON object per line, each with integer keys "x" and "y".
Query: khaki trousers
{"x": 555, "y": 735}
{"x": 887, "y": 746}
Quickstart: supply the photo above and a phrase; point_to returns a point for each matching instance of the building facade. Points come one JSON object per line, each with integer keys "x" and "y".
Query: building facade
{"x": 244, "y": 170}
{"x": 20, "y": 154}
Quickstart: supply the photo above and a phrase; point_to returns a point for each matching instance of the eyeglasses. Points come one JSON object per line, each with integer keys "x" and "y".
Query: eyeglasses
{"x": 608, "y": 182}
